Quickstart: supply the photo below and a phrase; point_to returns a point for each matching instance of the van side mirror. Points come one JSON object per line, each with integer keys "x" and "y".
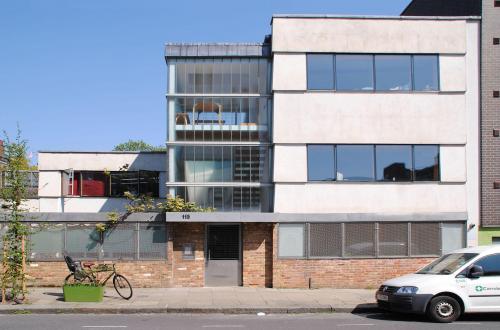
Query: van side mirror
{"x": 475, "y": 272}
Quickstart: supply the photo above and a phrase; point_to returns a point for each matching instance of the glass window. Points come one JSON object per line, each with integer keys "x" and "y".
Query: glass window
{"x": 152, "y": 241}
{"x": 47, "y": 241}
{"x": 320, "y": 162}
{"x": 355, "y": 163}
{"x": 490, "y": 264}
{"x": 354, "y": 72}
{"x": 394, "y": 163}
{"x": 393, "y": 239}
{"x": 447, "y": 264}
{"x": 425, "y": 239}
{"x": 122, "y": 182}
{"x": 393, "y": 72}
{"x": 426, "y": 72}
{"x": 95, "y": 184}
{"x": 452, "y": 236}
{"x": 149, "y": 183}
{"x": 426, "y": 160}
{"x": 495, "y": 240}
{"x": 325, "y": 239}
{"x": 180, "y": 76}
{"x": 291, "y": 240}
{"x": 119, "y": 242}
{"x": 82, "y": 240}
{"x": 319, "y": 71}
{"x": 359, "y": 239}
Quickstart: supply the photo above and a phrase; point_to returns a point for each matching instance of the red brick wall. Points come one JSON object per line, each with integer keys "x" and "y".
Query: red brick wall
{"x": 188, "y": 273}
{"x": 257, "y": 254}
{"x": 339, "y": 273}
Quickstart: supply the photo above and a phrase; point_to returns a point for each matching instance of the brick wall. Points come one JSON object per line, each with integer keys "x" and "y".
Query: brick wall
{"x": 339, "y": 273}
{"x": 257, "y": 254}
{"x": 187, "y": 273}
{"x": 490, "y": 116}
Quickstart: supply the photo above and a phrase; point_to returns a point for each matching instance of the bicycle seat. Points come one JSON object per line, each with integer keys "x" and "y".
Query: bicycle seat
{"x": 88, "y": 264}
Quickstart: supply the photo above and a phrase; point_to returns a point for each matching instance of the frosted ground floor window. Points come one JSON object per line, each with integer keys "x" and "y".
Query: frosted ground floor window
{"x": 369, "y": 239}
{"x": 127, "y": 241}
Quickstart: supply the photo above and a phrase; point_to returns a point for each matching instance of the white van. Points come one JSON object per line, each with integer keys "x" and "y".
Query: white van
{"x": 463, "y": 281}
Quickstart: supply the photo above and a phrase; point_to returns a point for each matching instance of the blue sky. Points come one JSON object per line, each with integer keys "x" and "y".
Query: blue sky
{"x": 86, "y": 75}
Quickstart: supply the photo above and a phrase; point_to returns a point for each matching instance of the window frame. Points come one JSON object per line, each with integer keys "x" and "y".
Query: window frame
{"x": 374, "y": 75}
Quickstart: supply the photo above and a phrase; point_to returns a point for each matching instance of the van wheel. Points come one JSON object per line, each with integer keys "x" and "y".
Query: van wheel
{"x": 444, "y": 309}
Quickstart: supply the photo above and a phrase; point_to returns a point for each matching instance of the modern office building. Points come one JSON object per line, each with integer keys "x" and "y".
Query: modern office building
{"x": 340, "y": 145}
{"x": 489, "y": 11}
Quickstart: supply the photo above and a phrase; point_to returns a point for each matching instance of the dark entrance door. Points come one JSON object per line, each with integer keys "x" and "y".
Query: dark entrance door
{"x": 223, "y": 262}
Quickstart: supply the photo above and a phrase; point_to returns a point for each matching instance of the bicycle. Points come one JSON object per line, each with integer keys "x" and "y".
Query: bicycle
{"x": 88, "y": 272}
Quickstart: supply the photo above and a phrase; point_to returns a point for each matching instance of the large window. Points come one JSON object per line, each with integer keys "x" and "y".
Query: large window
{"x": 220, "y": 76}
{"x": 368, "y": 239}
{"x": 222, "y": 164}
{"x": 355, "y": 163}
{"x": 126, "y": 241}
{"x": 354, "y": 72}
{"x": 321, "y": 162}
{"x": 320, "y": 71}
{"x": 490, "y": 264}
{"x": 111, "y": 184}
{"x": 367, "y": 162}
{"x": 223, "y": 118}
{"x": 368, "y": 72}
{"x": 393, "y": 72}
{"x": 228, "y": 199}
{"x": 394, "y": 163}
{"x": 426, "y": 163}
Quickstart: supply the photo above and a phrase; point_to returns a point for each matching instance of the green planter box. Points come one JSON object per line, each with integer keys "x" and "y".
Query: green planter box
{"x": 83, "y": 293}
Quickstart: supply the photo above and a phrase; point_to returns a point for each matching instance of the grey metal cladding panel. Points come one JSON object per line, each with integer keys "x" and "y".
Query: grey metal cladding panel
{"x": 89, "y": 217}
{"x": 217, "y": 50}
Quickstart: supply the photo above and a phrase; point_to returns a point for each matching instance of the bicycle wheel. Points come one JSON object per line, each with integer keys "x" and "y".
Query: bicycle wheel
{"x": 122, "y": 286}
{"x": 70, "y": 279}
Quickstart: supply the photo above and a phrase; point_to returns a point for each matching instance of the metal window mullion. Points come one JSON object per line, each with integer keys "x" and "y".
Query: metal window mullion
{"x": 440, "y": 238}
{"x": 375, "y": 163}
{"x": 412, "y": 73}
{"x": 409, "y": 240}
{"x": 342, "y": 238}
{"x": 307, "y": 244}
{"x": 137, "y": 238}
{"x": 374, "y": 76}
{"x": 376, "y": 239}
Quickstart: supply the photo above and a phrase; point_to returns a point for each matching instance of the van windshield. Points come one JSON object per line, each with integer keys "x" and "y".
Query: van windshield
{"x": 447, "y": 264}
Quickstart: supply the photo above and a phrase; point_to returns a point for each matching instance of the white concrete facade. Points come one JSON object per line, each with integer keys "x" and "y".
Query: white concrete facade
{"x": 448, "y": 118}
{"x": 51, "y": 166}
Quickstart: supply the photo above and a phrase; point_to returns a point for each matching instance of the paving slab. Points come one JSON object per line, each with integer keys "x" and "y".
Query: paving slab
{"x": 229, "y": 300}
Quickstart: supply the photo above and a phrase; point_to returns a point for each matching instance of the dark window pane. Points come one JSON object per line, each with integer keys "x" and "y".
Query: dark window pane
{"x": 319, "y": 71}
{"x": 208, "y": 70}
{"x": 490, "y": 264}
{"x": 426, "y": 163}
{"x": 354, "y": 72}
{"x": 359, "y": 239}
{"x": 180, "y": 77}
{"x": 122, "y": 182}
{"x": 393, "y": 163}
{"x": 95, "y": 184}
{"x": 149, "y": 183}
{"x": 393, "y": 72}
{"x": 320, "y": 163}
{"x": 425, "y": 239}
{"x": 47, "y": 241}
{"x": 393, "y": 239}
{"x": 426, "y": 72}
{"x": 355, "y": 163}
{"x": 325, "y": 239}
{"x": 120, "y": 243}
{"x": 82, "y": 241}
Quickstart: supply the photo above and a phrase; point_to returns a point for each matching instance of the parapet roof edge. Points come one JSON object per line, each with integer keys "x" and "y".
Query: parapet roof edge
{"x": 429, "y": 18}
{"x": 215, "y": 44}
{"x": 98, "y": 152}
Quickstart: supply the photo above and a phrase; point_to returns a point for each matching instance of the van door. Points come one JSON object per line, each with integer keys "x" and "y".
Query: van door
{"x": 484, "y": 292}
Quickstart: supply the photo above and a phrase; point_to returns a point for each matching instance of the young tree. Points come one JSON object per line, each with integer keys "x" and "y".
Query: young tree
{"x": 13, "y": 194}
{"x": 136, "y": 145}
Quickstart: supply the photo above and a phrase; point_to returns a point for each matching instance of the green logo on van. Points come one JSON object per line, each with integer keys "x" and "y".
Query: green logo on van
{"x": 479, "y": 288}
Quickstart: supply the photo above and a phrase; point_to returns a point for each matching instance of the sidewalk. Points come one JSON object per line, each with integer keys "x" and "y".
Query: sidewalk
{"x": 233, "y": 300}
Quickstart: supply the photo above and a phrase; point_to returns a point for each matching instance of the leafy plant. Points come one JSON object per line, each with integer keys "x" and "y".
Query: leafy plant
{"x": 15, "y": 249}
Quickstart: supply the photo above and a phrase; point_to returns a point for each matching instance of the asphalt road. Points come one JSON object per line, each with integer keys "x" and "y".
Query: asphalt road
{"x": 211, "y": 321}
